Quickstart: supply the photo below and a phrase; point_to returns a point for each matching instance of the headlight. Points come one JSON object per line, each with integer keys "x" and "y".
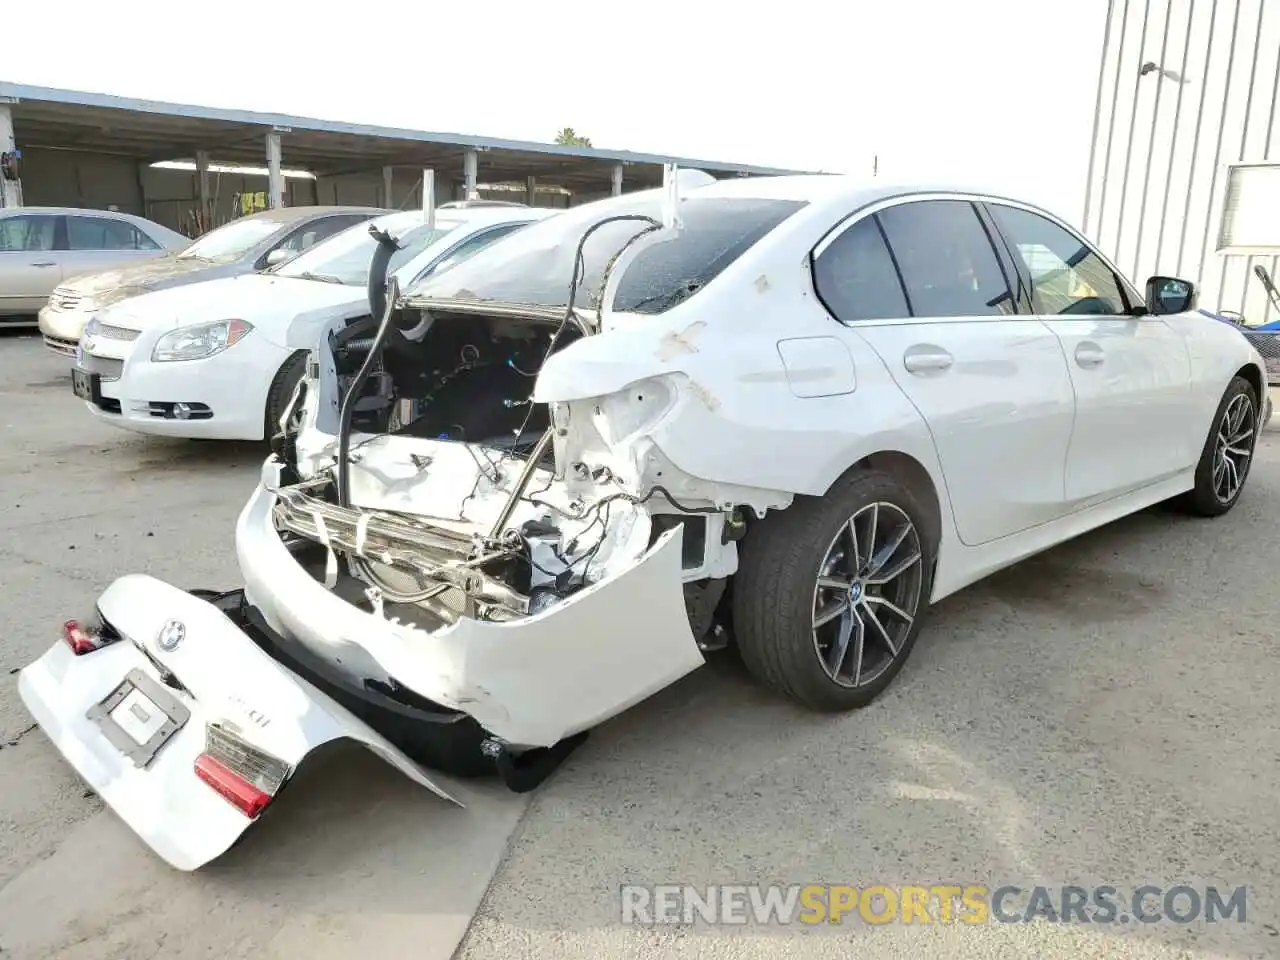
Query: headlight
{"x": 200, "y": 340}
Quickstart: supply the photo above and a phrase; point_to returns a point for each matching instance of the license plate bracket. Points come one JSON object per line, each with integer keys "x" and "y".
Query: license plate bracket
{"x": 86, "y": 385}
{"x": 140, "y": 694}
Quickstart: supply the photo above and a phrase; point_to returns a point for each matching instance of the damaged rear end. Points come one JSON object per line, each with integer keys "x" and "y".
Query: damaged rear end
{"x": 455, "y": 555}
{"x": 471, "y": 560}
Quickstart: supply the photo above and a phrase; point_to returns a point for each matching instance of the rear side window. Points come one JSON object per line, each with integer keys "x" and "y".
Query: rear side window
{"x": 103, "y": 233}
{"x": 948, "y": 266}
{"x": 715, "y": 234}
{"x": 856, "y": 279}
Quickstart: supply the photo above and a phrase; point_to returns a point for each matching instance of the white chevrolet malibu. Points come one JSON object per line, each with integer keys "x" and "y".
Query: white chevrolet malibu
{"x": 212, "y": 360}
{"x": 785, "y": 414}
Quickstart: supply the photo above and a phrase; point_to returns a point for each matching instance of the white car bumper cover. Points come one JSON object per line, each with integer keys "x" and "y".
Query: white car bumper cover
{"x": 228, "y": 680}
{"x": 531, "y": 682}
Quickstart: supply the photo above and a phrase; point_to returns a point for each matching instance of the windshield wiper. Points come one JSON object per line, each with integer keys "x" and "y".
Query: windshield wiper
{"x": 322, "y": 277}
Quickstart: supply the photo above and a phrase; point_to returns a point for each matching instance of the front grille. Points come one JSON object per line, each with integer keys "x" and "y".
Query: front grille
{"x": 1267, "y": 344}
{"x": 105, "y": 367}
{"x": 65, "y": 299}
{"x": 61, "y": 346}
{"x": 107, "y": 332}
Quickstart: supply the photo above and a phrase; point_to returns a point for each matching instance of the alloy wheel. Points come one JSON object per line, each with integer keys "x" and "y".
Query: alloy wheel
{"x": 1233, "y": 447}
{"x": 867, "y": 594}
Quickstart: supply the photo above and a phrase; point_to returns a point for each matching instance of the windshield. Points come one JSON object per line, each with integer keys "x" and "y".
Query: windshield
{"x": 232, "y": 239}
{"x": 535, "y": 265}
{"x": 345, "y": 257}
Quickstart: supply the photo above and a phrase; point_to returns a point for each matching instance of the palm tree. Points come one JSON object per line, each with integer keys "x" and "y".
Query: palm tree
{"x": 568, "y": 137}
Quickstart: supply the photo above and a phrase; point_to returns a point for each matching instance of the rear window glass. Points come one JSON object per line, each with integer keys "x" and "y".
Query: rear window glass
{"x": 716, "y": 233}
{"x": 535, "y": 265}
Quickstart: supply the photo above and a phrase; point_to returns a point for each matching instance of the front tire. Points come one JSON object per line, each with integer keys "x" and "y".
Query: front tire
{"x": 281, "y": 391}
{"x": 830, "y": 593}
{"x": 1228, "y": 452}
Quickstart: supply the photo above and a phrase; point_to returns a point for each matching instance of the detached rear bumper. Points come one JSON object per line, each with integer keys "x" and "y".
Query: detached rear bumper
{"x": 217, "y": 676}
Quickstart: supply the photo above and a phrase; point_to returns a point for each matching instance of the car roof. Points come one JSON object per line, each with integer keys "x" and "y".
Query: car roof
{"x": 846, "y": 190}
{"x": 72, "y": 212}
{"x": 294, "y": 214}
{"x": 470, "y": 216}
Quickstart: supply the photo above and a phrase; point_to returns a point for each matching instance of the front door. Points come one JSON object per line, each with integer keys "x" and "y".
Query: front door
{"x": 1131, "y": 374}
{"x": 30, "y": 265}
{"x": 921, "y": 282}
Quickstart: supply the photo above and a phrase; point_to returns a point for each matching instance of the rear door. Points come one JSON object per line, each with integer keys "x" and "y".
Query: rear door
{"x": 1131, "y": 374}
{"x": 921, "y": 281}
{"x": 29, "y": 261}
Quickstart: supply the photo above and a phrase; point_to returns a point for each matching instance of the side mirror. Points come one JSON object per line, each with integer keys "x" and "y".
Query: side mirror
{"x": 278, "y": 256}
{"x": 1166, "y": 295}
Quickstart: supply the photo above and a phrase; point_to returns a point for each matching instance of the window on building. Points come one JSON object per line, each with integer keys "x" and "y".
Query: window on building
{"x": 1251, "y": 210}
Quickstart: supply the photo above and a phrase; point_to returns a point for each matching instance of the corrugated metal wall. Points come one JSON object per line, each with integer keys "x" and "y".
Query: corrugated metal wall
{"x": 1163, "y": 139}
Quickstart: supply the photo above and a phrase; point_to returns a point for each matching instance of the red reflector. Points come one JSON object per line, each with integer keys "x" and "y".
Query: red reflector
{"x": 79, "y": 639}
{"x": 236, "y": 790}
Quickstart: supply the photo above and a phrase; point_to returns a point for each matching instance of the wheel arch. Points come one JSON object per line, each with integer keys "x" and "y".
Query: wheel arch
{"x": 915, "y": 476}
{"x": 1256, "y": 378}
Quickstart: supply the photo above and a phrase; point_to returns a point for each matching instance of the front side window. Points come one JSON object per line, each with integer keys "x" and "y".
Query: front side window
{"x": 346, "y": 257}
{"x": 1067, "y": 276}
{"x": 468, "y": 248}
{"x": 856, "y": 279}
{"x": 28, "y": 234}
{"x": 946, "y": 260}
{"x": 312, "y": 233}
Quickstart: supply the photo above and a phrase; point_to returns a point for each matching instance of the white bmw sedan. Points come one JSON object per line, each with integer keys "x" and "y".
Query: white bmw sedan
{"x": 212, "y": 360}
{"x": 789, "y": 413}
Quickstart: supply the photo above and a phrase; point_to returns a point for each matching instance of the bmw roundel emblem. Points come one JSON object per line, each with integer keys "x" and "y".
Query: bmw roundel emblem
{"x": 171, "y": 635}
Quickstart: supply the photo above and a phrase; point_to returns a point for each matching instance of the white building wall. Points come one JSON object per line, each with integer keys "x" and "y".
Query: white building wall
{"x": 1164, "y": 141}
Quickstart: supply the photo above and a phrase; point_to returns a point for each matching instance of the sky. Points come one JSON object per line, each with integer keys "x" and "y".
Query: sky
{"x": 998, "y": 93}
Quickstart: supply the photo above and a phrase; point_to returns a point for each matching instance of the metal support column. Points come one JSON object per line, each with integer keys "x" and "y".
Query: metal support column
{"x": 470, "y": 167}
{"x": 531, "y": 191}
{"x": 388, "y": 174}
{"x": 275, "y": 181}
{"x": 10, "y": 190}
{"x": 202, "y": 189}
{"x": 617, "y": 180}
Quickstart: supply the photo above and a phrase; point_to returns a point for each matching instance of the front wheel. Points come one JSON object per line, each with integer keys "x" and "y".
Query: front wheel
{"x": 830, "y": 593}
{"x": 1228, "y": 452}
{"x": 281, "y": 392}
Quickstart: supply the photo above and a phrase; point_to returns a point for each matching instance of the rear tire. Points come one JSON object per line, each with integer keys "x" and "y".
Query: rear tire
{"x": 281, "y": 390}
{"x": 830, "y": 593}
{"x": 1227, "y": 455}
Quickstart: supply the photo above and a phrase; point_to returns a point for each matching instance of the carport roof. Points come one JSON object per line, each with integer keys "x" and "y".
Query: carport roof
{"x": 152, "y": 130}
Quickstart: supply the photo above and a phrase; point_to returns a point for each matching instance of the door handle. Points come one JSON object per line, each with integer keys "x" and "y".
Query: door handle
{"x": 1089, "y": 354}
{"x": 48, "y": 263}
{"x": 926, "y": 359}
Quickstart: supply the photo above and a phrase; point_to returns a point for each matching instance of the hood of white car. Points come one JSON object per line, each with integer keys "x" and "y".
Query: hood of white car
{"x": 268, "y": 302}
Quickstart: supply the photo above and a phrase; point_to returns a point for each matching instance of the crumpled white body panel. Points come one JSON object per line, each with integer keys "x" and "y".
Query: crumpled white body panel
{"x": 531, "y": 682}
{"x": 230, "y": 681}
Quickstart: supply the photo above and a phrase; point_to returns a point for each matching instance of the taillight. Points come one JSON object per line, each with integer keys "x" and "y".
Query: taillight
{"x": 243, "y": 775}
{"x": 82, "y": 638}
